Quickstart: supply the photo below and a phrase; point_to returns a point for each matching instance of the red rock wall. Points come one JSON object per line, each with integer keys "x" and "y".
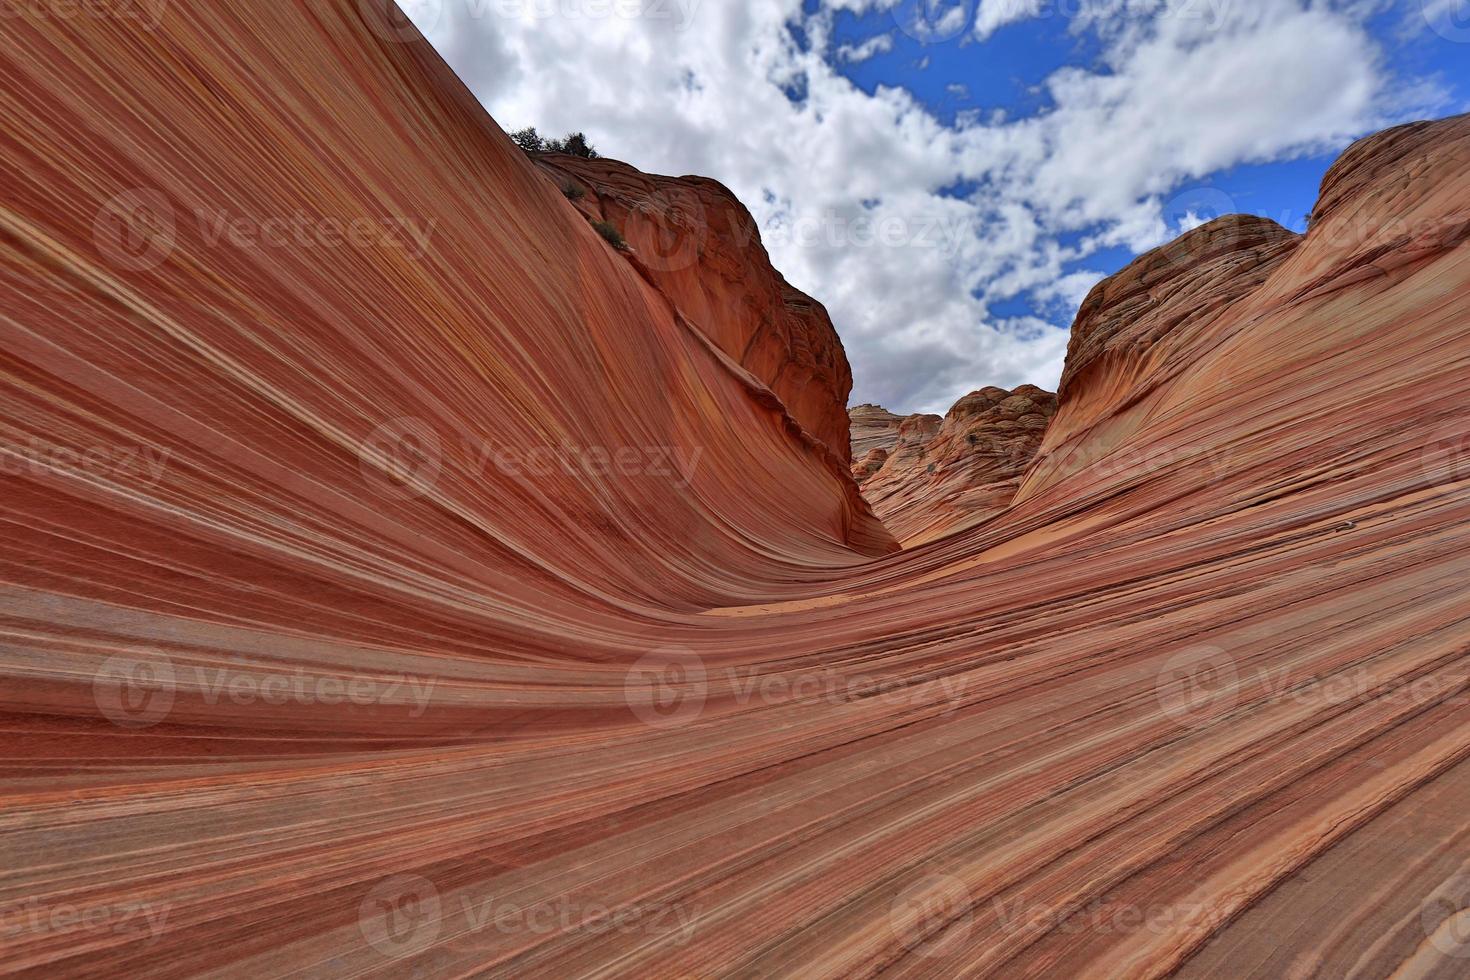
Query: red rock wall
{"x": 701, "y": 248}
{"x": 1150, "y": 321}
{"x": 312, "y": 701}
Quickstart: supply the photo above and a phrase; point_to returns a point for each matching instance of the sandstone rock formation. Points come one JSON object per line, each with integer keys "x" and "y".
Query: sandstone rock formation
{"x": 700, "y": 247}
{"x": 1151, "y": 320}
{"x": 385, "y": 605}
{"x": 947, "y": 475}
{"x": 872, "y": 427}
{"x": 871, "y": 463}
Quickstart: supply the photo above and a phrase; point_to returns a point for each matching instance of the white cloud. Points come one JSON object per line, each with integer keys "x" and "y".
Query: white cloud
{"x": 848, "y": 186}
{"x": 995, "y": 14}
{"x": 881, "y": 44}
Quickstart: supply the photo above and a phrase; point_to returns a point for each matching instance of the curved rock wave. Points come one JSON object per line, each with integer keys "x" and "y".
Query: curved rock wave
{"x": 395, "y": 582}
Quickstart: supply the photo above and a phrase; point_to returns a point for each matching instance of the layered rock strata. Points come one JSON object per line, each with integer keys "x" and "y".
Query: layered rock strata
{"x": 419, "y": 604}
{"x": 943, "y": 476}
{"x": 694, "y": 241}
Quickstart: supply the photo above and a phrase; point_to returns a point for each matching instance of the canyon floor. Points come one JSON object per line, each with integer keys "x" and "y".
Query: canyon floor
{"x": 398, "y": 579}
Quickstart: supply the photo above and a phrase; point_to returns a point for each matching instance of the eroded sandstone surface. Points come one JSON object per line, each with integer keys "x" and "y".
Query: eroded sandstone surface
{"x": 938, "y": 476}
{"x": 387, "y": 604}
{"x": 699, "y": 246}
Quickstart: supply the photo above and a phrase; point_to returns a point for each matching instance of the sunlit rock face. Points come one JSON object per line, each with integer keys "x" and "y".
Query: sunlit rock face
{"x": 699, "y": 246}
{"x": 397, "y": 580}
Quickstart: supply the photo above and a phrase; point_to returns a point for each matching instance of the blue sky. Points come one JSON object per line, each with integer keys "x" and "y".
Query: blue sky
{"x": 1007, "y": 71}
{"x": 950, "y": 177}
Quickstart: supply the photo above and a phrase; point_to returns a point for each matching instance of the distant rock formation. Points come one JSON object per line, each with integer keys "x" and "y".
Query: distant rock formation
{"x": 927, "y": 477}
{"x": 872, "y": 427}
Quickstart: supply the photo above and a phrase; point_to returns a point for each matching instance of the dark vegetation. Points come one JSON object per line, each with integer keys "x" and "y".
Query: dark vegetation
{"x": 533, "y": 142}
{"x": 611, "y": 235}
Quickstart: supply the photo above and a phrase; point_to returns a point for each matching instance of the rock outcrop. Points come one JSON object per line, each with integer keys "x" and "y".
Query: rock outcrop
{"x": 700, "y": 247}
{"x": 940, "y": 476}
{"x": 455, "y": 604}
{"x": 872, "y": 427}
{"x": 1154, "y": 318}
{"x": 871, "y": 463}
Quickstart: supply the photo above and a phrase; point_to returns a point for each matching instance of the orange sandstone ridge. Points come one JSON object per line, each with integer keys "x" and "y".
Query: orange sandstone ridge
{"x": 398, "y": 580}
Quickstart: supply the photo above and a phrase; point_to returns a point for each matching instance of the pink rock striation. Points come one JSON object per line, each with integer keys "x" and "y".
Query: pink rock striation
{"x": 419, "y": 605}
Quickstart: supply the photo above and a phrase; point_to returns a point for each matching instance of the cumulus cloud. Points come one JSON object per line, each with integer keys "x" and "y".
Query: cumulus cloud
{"x": 881, "y": 44}
{"x": 995, "y": 14}
{"x": 916, "y": 234}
